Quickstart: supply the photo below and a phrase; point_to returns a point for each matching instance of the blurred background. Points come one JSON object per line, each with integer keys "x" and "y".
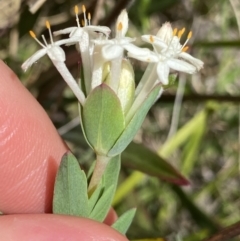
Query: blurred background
{"x": 194, "y": 126}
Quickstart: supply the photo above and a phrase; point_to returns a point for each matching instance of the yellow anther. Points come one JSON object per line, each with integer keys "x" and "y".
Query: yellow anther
{"x": 151, "y": 39}
{"x": 89, "y": 16}
{"x": 32, "y": 34}
{"x": 120, "y": 26}
{"x": 47, "y": 25}
{"x": 175, "y": 32}
{"x": 76, "y": 9}
{"x": 185, "y": 49}
{"x": 189, "y": 35}
{"x": 83, "y": 8}
{"x": 180, "y": 33}
{"x": 183, "y": 30}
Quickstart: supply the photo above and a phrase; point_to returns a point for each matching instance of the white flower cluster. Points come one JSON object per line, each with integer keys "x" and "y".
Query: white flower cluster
{"x": 97, "y": 50}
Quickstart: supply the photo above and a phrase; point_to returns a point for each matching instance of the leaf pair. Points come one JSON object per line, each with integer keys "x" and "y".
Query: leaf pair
{"x": 71, "y": 195}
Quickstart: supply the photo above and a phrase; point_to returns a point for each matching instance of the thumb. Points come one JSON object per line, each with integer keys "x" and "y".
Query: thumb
{"x": 50, "y": 227}
{"x": 30, "y": 149}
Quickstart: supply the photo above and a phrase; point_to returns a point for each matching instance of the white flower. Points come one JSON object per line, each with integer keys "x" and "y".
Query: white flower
{"x": 169, "y": 53}
{"x": 78, "y": 34}
{"x": 113, "y": 48}
{"x": 83, "y": 36}
{"x": 53, "y": 50}
{"x": 58, "y": 57}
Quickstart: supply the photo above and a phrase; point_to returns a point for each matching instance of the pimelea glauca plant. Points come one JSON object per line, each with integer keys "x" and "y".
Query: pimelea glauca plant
{"x": 112, "y": 108}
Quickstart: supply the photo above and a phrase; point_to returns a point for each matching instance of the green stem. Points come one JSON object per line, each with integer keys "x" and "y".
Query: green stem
{"x": 101, "y": 164}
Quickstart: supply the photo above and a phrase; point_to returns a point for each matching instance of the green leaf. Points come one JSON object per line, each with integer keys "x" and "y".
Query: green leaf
{"x": 102, "y": 118}
{"x": 80, "y": 110}
{"x": 70, "y": 190}
{"x": 111, "y": 173}
{"x": 95, "y": 196}
{"x": 143, "y": 159}
{"x": 124, "y": 221}
{"x": 103, "y": 205}
{"x": 135, "y": 123}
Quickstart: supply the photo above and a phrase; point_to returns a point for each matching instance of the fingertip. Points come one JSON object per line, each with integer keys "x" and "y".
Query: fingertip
{"x": 50, "y": 227}
{"x": 30, "y": 149}
{"x": 111, "y": 217}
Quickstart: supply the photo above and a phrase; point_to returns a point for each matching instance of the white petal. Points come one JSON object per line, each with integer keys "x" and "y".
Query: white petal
{"x": 74, "y": 37}
{"x": 196, "y": 62}
{"x": 35, "y": 57}
{"x": 125, "y": 40}
{"x": 67, "y": 41}
{"x": 84, "y": 41}
{"x": 165, "y": 32}
{"x": 56, "y": 53}
{"x": 159, "y": 44}
{"x": 136, "y": 50}
{"x": 112, "y": 51}
{"x": 123, "y": 19}
{"x": 101, "y": 29}
{"x": 64, "y": 31}
{"x": 146, "y": 38}
{"x": 148, "y": 56}
{"x": 181, "y": 65}
{"x": 155, "y": 41}
{"x": 103, "y": 41}
{"x": 163, "y": 72}
{"x": 76, "y": 33}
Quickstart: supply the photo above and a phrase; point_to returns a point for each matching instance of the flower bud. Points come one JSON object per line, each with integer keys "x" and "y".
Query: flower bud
{"x": 126, "y": 88}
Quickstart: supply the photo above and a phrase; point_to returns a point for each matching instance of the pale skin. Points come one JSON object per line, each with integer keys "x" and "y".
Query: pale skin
{"x": 30, "y": 153}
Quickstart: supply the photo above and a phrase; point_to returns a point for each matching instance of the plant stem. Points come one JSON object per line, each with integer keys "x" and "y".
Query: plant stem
{"x": 101, "y": 164}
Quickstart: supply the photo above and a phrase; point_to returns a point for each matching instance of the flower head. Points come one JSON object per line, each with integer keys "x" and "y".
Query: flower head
{"x": 77, "y": 34}
{"x": 53, "y": 50}
{"x": 113, "y": 48}
{"x": 58, "y": 57}
{"x": 169, "y": 53}
{"x": 83, "y": 36}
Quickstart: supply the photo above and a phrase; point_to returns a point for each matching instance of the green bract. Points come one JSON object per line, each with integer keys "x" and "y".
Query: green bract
{"x": 103, "y": 120}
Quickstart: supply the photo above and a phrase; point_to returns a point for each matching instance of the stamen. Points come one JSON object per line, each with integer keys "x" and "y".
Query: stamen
{"x": 120, "y": 26}
{"x": 84, "y": 15}
{"x": 49, "y": 30}
{"x": 33, "y": 35}
{"x": 189, "y": 35}
{"x": 175, "y": 31}
{"x": 76, "y": 9}
{"x": 183, "y": 30}
{"x": 151, "y": 39}
{"x": 180, "y": 33}
{"x": 47, "y": 24}
{"x": 76, "y": 13}
{"x": 83, "y": 8}
{"x": 89, "y": 18}
{"x": 44, "y": 40}
{"x": 185, "y": 49}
